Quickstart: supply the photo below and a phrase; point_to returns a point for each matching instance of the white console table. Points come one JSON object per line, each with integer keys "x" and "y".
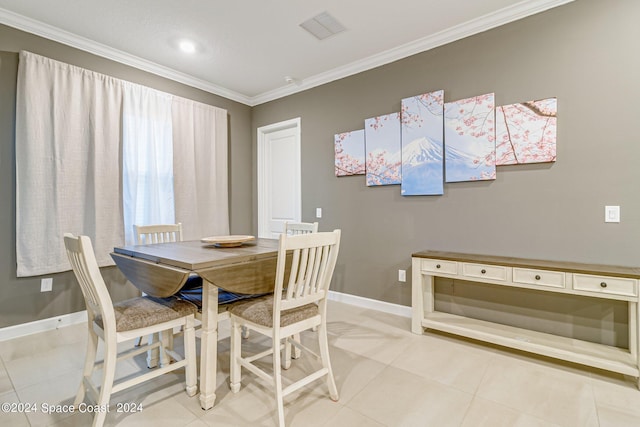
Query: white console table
{"x": 597, "y": 281}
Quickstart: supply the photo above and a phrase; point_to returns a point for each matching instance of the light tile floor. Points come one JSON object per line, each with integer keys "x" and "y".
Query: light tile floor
{"x": 386, "y": 376}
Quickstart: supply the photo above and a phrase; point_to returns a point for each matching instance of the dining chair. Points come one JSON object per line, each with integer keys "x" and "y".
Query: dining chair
{"x": 160, "y": 233}
{"x": 124, "y": 321}
{"x": 293, "y": 229}
{"x": 298, "y": 302}
{"x": 157, "y": 233}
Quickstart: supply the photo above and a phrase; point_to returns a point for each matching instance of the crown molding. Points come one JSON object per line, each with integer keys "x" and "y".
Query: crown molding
{"x": 503, "y": 16}
{"x": 466, "y": 29}
{"x": 50, "y": 32}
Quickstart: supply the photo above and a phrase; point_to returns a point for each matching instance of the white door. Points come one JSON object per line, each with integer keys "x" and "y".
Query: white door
{"x": 279, "y": 188}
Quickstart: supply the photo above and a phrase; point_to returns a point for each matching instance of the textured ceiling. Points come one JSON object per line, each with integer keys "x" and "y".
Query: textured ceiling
{"x": 245, "y": 49}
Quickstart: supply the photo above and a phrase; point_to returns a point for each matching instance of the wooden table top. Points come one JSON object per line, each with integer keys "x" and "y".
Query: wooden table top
{"x": 571, "y": 267}
{"x": 195, "y": 255}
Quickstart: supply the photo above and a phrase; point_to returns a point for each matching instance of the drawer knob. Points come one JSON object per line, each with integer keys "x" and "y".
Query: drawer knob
{"x": 483, "y": 271}
{"x": 437, "y": 265}
{"x": 603, "y": 284}
{"x": 537, "y": 277}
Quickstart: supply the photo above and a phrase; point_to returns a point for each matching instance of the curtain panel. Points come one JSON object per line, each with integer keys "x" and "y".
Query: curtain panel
{"x": 67, "y": 163}
{"x": 70, "y": 126}
{"x": 200, "y": 168}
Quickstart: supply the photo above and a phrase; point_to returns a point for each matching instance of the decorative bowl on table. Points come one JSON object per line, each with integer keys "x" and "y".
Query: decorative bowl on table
{"x": 227, "y": 241}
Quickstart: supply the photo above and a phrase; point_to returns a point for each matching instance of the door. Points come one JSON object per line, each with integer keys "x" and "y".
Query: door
{"x": 279, "y": 176}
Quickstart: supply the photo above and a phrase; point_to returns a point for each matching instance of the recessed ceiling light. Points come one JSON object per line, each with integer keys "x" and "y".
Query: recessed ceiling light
{"x": 187, "y": 46}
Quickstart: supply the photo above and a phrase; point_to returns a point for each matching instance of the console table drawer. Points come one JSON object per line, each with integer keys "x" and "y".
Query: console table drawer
{"x": 493, "y": 272}
{"x": 439, "y": 266}
{"x": 553, "y": 279}
{"x": 605, "y": 285}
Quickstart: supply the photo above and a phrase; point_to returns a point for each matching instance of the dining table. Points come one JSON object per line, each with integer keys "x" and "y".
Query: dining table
{"x": 161, "y": 269}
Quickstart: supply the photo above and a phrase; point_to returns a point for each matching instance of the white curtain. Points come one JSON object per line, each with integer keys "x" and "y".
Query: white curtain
{"x": 147, "y": 158}
{"x": 67, "y": 163}
{"x": 200, "y": 148}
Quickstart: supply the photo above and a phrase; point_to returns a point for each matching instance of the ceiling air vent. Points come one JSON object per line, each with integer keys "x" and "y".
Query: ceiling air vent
{"x": 322, "y": 26}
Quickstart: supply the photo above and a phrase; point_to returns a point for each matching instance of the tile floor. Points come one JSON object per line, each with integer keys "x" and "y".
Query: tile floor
{"x": 386, "y": 376}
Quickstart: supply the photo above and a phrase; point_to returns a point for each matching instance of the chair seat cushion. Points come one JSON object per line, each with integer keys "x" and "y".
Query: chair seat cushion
{"x": 260, "y": 311}
{"x": 146, "y": 311}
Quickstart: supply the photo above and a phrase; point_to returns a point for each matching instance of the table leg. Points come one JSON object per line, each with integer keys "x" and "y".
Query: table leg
{"x": 208, "y": 345}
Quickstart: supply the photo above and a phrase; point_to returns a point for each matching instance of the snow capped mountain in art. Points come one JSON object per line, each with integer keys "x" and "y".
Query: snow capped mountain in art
{"x": 460, "y": 157}
{"x": 420, "y": 151}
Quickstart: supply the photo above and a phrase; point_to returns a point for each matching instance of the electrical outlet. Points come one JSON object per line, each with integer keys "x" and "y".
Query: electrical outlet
{"x": 46, "y": 285}
{"x": 318, "y": 212}
{"x": 402, "y": 275}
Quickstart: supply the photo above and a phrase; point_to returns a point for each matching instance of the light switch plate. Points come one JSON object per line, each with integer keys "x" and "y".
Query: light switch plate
{"x": 612, "y": 214}
{"x": 318, "y": 212}
{"x": 46, "y": 285}
{"x": 402, "y": 275}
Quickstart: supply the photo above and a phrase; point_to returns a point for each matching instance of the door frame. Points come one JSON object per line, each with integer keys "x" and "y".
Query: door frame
{"x": 263, "y": 170}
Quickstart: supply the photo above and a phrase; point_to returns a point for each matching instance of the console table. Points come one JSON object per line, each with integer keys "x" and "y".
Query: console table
{"x": 597, "y": 281}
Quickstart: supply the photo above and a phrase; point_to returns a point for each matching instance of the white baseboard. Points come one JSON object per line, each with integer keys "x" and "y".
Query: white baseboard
{"x": 29, "y": 328}
{"x": 49, "y": 324}
{"x": 385, "y": 307}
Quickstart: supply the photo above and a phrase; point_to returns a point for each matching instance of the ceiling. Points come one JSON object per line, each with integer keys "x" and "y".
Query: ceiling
{"x": 246, "y": 49}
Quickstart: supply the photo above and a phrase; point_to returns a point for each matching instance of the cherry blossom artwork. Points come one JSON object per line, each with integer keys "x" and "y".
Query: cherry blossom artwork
{"x": 383, "y": 149}
{"x": 469, "y": 135}
{"x": 526, "y": 132}
{"x": 349, "y": 153}
{"x": 422, "y": 144}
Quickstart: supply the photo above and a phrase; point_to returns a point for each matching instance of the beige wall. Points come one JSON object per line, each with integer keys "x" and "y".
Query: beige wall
{"x": 20, "y": 299}
{"x": 584, "y": 54}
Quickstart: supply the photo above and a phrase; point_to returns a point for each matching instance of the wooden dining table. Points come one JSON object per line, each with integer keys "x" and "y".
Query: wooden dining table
{"x": 161, "y": 269}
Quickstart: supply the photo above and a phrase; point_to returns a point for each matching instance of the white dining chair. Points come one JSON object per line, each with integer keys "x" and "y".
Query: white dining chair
{"x": 293, "y": 229}
{"x": 124, "y": 321}
{"x": 157, "y": 233}
{"x": 298, "y": 302}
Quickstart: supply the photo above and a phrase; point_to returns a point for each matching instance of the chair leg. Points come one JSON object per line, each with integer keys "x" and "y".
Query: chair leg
{"x": 286, "y": 359}
{"x": 326, "y": 362}
{"x": 108, "y": 374}
{"x": 191, "y": 373}
{"x": 235, "y": 375}
{"x": 152, "y": 355}
{"x": 89, "y": 363}
{"x": 296, "y": 351}
{"x": 277, "y": 377}
{"x": 165, "y": 360}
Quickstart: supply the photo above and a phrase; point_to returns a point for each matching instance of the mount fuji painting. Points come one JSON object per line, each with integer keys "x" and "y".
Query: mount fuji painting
{"x": 469, "y": 131}
{"x": 422, "y": 146}
{"x": 382, "y": 142}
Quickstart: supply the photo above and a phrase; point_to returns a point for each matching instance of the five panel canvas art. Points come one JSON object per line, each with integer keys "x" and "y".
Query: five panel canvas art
{"x": 430, "y": 142}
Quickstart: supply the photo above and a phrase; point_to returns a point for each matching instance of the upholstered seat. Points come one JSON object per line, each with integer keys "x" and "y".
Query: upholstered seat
{"x": 142, "y": 312}
{"x": 260, "y": 312}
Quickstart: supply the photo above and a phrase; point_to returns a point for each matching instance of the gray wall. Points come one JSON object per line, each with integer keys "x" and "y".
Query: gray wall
{"x": 583, "y": 53}
{"x": 20, "y": 299}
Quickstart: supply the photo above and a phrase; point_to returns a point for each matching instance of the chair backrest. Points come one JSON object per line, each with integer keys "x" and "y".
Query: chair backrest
{"x": 294, "y": 228}
{"x": 313, "y": 259}
{"x": 159, "y": 233}
{"x": 85, "y": 267}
